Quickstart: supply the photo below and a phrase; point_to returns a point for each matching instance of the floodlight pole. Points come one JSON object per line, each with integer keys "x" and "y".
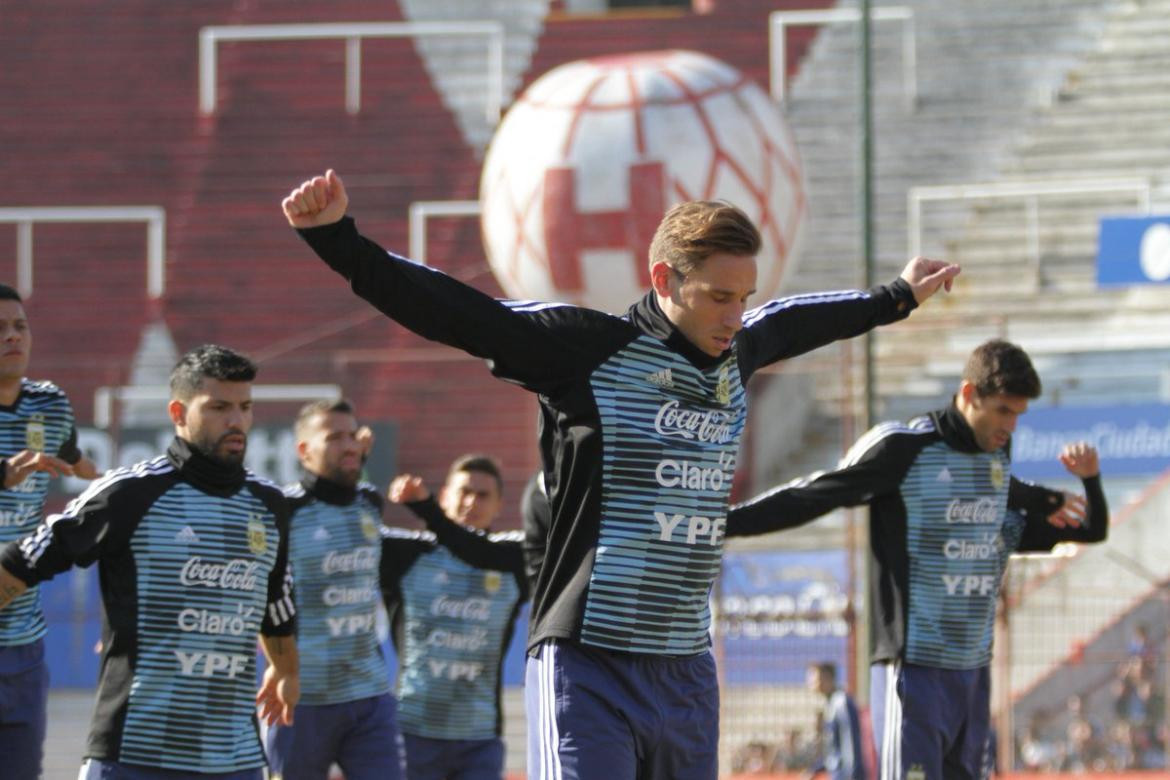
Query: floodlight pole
{"x": 861, "y": 519}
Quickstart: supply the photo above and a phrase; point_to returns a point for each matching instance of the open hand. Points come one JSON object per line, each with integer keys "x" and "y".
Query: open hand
{"x": 407, "y": 488}
{"x": 1081, "y": 459}
{"x": 26, "y": 462}
{"x": 925, "y": 276}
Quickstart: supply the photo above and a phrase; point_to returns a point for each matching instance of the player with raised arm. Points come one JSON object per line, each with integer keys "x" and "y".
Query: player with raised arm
{"x": 641, "y": 421}
{"x": 945, "y": 515}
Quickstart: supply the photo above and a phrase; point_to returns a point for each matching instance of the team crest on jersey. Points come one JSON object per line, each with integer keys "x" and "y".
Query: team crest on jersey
{"x": 369, "y": 527}
{"x": 34, "y": 435}
{"x": 492, "y": 582}
{"x": 916, "y": 772}
{"x": 997, "y": 474}
{"x": 257, "y": 538}
{"x": 723, "y": 386}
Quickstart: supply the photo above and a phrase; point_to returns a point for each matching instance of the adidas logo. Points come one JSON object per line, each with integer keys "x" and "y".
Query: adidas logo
{"x": 187, "y": 535}
{"x": 944, "y": 475}
{"x": 661, "y": 378}
{"x": 321, "y": 534}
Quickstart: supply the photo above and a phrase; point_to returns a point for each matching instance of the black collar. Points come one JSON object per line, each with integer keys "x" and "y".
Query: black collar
{"x": 953, "y": 427}
{"x": 649, "y": 318}
{"x": 205, "y": 473}
{"x": 327, "y": 490}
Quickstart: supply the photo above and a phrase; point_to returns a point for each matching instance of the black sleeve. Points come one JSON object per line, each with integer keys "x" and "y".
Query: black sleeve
{"x": 536, "y": 345}
{"x": 69, "y": 451}
{"x": 280, "y": 617}
{"x": 497, "y": 552}
{"x": 537, "y": 515}
{"x": 874, "y": 466}
{"x": 400, "y": 549}
{"x": 95, "y": 524}
{"x": 791, "y": 326}
{"x": 1036, "y": 503}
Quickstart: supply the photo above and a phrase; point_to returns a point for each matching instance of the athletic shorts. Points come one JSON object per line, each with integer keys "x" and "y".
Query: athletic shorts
{"x": 453, "y": 759}
{"x": 360, "y": 736}
{"x": 596, "y": 714}
{"x": 24, "y": 692}
{"x": 930, "y": 723}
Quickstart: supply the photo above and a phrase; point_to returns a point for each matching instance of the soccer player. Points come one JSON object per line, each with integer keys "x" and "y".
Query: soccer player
{"x": 945, "y": 514}
{"x": 453, "y": 610}
{"x": 38, "y": 440}
{"x": 192, "y": 557}
{"x": 346, "y": 713}
{"x": 842, "y": 756}
{"x": 641, "y": 421}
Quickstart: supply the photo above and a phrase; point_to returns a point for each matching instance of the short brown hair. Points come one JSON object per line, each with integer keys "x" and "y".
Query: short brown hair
{"x": 324, "y": 406}
{"x": 693, "y": 231}
{"x": 1000, "y": 367}
{"x": 484, "y": 464}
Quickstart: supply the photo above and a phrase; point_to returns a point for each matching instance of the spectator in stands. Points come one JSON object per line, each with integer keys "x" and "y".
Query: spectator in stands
{"x": 37, "y": 440}
{"x": 842, "y": 756}
{"x": 754, "y": 758}
{"x": 1083, "y": 737}
{"x": 1122, "y": 753}
{"x": 945, "y": 514}
{"x": 1141, "y": 646}
{"x": 796, "y": 753}
{"x": 1037, "y": 751}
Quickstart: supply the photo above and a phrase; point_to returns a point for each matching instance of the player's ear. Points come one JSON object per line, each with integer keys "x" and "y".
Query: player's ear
{"x": 661, "y": 276}
{"x": 177, "y": 411}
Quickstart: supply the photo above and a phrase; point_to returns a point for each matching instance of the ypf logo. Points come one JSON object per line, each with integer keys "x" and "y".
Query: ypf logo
{"x": 594, "y": 152}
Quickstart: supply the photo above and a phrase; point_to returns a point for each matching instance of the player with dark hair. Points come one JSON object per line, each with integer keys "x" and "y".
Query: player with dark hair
{"x": 453, "y": 610}
{"x": 38, "y": 440}
{"x": 346, "y": 713}
{"x": 642, "y": 417}
{"x": 192, "y": 557}
{"x": 842, "y": 755}
{"x": 945, "y": 515}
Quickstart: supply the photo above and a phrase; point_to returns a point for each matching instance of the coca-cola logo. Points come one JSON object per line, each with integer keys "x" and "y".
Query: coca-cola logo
{"x": 981, "y": 511}
{"x": 360, "y": 559}
{"x": 236, "y": 574}
{"x": 461, "y": 609}
{"x": 704, "y": 425}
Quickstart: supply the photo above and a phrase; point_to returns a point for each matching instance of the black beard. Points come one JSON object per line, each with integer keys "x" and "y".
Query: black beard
{"x": 212, "y": 451}
{"x": 342, "y": 477}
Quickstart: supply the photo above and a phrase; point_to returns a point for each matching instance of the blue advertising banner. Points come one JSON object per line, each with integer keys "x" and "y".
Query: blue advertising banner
{"x": 779, "y": 611}
{"x": 1133, "y": 250}
{"x": 1131, "y": 440}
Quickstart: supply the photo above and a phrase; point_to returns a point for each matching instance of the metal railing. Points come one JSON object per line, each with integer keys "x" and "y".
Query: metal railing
{"x": 353, "y": 33}
{"x": 1028, "y": 192}
{"x": 24, "y": 218}
{"x": 780, "y": 21}
{"x": 421, "y": 210}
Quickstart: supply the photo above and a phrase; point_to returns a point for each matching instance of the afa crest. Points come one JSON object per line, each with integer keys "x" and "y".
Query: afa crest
{"x": 257, "y": 536}
{"x": 997, "y": 474}
{"x": 492, "y": 582}
{"x": 369, "y": 527}
{"x": 34, "y": 435}
{"x": 723, "y": 387}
